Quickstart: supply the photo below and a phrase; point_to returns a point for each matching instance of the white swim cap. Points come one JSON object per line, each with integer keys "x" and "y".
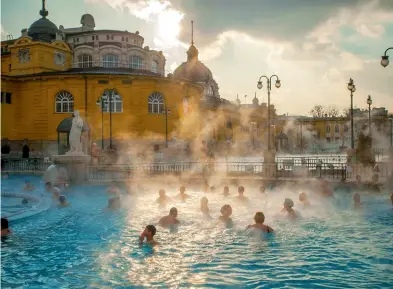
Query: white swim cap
{"x": 288, "y": 202}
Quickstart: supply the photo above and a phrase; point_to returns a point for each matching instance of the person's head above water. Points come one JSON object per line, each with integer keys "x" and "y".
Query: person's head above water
{"x": 150, "y": 231}
{"x": 240, "y": 190}
{"x": 356, "y": 198}
{"x": 25, "y": 201}
{"x": 173, "y": 212}
{"x": 288, "y": 203}
{"x": 204, "y": 201}
{"x": 259, "y": 218}
{"x": 56, "y": 191}
{"x": 226, "y": 210}
{"x": 62, "y": 200}
{"x": 162, "y": 193}
{"x": 48, "y": 186}
{"x": 4, "y": 224}
{"x": 182, "y": 189}
{"x": 302, "y": 197}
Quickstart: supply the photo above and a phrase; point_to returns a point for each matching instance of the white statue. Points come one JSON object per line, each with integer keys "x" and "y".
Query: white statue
{"x": 75, "y": 134}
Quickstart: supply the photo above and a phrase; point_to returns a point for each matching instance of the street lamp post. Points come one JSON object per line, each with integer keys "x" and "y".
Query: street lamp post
{"x": 391, "y": 131}
{"x": 369, "y": 102}
{"x": 100, "y": 102}
{"x": 111, "y": 92}
{"x": 352, "y": 89}
{"x": 269, "y": 87}
{"x": 301, "y": 136}
{"x": 385, "y": 58}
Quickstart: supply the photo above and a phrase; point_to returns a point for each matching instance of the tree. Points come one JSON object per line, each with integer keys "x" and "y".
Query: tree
{"x": 317, "y": 111}
{"x": 332, "y": 111}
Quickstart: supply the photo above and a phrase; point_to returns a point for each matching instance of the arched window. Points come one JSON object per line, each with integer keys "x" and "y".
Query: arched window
{"x": 110, "y": 61}
{"x": 154, "y": 66}
{"x": 346, "y": 128}
{"x": 337, "y": 129}
{"x": 210, "y": 91}
{"x": 156, "y": 103}
{"x": 136, "y": 62}
{"x": 328, "y": 129}
{"x": 116, "y": 101}
{"x": 85, "y": 60}
{"x": 64, "y": 102}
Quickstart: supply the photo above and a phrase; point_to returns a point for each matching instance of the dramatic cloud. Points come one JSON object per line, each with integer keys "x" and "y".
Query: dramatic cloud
{"x": 315, "y": 46}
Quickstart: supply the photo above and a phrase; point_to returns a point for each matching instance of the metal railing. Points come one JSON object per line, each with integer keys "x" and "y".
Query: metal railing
{"x": 224, "y": 169}
{"x": 24, "y": 165}
{"x": 283, "y": 168}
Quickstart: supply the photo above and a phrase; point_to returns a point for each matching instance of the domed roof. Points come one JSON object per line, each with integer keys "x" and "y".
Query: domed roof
{"x": 43, "y": 29}
{"x": 194, "y": 71}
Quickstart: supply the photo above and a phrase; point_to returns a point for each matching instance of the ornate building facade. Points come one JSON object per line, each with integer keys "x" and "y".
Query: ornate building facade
{"x": 117, "y": 83}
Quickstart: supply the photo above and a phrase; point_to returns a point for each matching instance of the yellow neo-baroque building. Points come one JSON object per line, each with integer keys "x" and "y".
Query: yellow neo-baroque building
{"x": 49, "y": 72}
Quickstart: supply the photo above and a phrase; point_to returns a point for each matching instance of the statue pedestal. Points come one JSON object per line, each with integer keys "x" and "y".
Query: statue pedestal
{"x": 76, "y": 165}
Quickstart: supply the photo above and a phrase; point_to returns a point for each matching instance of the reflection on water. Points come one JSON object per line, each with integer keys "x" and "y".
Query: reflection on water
{"x": 84, "y": 246}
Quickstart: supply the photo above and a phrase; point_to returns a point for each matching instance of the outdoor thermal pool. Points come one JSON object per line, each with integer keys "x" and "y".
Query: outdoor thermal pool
{"x": 84, "y": 246}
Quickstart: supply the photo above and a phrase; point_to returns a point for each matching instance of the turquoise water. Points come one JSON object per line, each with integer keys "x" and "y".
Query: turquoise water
{"x": 84, "y": 246}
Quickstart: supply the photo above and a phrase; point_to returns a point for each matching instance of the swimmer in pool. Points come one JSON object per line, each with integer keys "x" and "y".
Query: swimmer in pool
{"x": 25, "y": 201}
{"x": 148, "y": 234}
{"x": 262, "y": 190}
{"x": 205, "y": 208}
{"x": 241, "y": 196}
{"x": 182, "y": 195}
{"x": 356, "y": 201}
{"x": 304, "y": 200}
{"x": 259, "y": 219}
{"x": 48, "y": 187}
{"x": 63, "y": 202}
{"x": 113, "y": 189}
{"x": 163, "y": 199}
{"x": 28, "y": 186}
{"x": 288, "y": 209}
{"x": 226, "y": 191}
{"x": 169, "y": 220}
{"x": 114, "y": 203}
{"x": 55, "y": 193}
{"x": 5, "y": 230}
{"x": 226, "y": 212}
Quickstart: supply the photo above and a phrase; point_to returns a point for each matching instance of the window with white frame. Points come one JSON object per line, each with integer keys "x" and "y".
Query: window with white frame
{"x": 155, "y": 103}
{"x": 85, "y": 60}
{"x": 64, "y": 102}
{"x": 328, "y": 129}
{"x": 337, "y": 129}
{"x": 210, "y": 91}
{"x": 111, "y": 98}
{"x": 154, "y": 66}
{"x": 136, "y": 62}
{"x": 110, "y": 61}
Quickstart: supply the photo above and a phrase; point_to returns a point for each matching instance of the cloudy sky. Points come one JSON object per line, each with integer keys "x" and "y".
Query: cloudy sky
{"x": 314, "y": 46}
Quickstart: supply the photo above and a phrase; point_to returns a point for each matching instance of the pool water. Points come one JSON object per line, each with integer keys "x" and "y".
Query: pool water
{"x": 84, "y": 246}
